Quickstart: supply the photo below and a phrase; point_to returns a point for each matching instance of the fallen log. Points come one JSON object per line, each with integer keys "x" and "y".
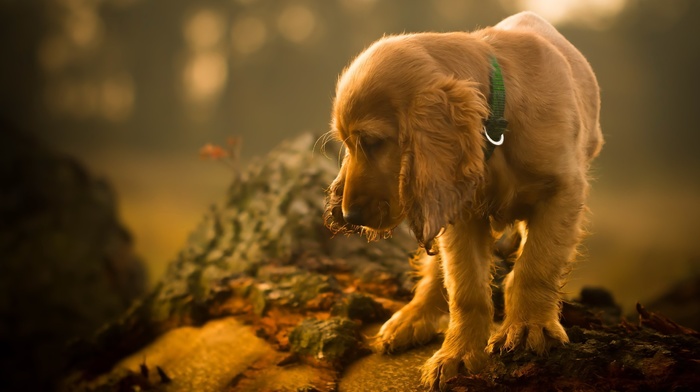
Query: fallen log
{"x": 263, "y": 298}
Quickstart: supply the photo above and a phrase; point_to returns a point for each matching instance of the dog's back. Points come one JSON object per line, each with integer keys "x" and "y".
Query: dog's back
{"x": 587, "y": 89}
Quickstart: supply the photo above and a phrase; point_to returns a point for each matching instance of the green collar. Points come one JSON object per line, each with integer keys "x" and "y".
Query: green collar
{"x": 496, "y": 124}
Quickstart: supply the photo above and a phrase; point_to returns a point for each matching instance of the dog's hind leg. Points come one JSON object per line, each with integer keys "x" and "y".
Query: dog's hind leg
{"x": 510, "y": 239}
{"x": 417, "y": 322}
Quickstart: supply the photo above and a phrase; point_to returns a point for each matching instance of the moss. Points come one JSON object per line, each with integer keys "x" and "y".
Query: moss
{"x": 335, "y": 339}
{"x": 358, "y": 306}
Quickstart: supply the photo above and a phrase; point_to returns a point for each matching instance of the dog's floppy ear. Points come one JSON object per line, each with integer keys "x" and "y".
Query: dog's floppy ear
{"x": 443, "y": 158}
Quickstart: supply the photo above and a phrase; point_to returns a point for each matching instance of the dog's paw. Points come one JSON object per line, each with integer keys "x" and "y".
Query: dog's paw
{"x": 445, "y": 364}
{"x": 406, "y": 328}
{"x": 532, "y": 336}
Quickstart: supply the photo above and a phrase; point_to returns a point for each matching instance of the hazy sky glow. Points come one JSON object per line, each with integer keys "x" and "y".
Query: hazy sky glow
{"x": 591, "y": 13}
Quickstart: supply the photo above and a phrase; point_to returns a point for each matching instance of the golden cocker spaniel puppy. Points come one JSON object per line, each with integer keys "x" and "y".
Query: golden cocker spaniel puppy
{"x": 411, "y": 112}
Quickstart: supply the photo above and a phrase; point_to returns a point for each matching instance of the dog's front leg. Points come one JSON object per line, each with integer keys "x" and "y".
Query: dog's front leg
{"x": 466, "y": 250}
{"x": 417, "y": 322}
{"x": 532, "y": 289}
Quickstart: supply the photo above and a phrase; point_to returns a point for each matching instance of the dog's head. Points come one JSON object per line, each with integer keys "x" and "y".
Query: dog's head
{"x": 412, "y": 139}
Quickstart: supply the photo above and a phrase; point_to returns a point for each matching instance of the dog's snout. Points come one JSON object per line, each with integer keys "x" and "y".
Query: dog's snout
{"x": 337, "y": 214}
{"x": 354, "y": 216}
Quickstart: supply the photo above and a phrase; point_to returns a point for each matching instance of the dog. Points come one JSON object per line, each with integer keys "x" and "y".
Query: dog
{"x": 411, "y": 112}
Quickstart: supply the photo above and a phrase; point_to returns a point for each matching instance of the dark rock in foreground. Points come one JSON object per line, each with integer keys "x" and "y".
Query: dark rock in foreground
{"x": 67, "y": 265}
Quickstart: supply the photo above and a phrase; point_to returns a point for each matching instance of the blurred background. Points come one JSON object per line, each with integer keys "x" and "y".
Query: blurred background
{"x": 134, "y": 88}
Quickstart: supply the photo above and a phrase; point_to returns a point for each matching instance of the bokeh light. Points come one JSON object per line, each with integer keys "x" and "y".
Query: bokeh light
{"x": 296, "y": 22}
{"x": 204, "y": 29}
{"x": 204, "y": 75}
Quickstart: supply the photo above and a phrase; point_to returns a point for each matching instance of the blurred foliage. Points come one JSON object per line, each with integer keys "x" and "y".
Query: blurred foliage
{"x": 143, "y": 73}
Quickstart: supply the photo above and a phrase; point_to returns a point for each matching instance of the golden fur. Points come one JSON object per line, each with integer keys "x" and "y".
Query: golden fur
{"x": 409, "y": 111}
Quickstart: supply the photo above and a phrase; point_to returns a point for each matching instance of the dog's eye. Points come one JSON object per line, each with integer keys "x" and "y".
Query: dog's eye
{"x": 370, "y": 144}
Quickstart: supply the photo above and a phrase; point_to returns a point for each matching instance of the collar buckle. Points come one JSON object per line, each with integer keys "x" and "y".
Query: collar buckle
{"x": 495, "y": 125}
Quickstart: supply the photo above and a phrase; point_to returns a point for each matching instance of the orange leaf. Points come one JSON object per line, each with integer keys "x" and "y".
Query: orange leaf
{"x": 211, "y": 151}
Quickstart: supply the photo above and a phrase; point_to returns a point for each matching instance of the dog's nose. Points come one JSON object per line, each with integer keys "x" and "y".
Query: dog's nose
{"x": 353, "y": 216}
